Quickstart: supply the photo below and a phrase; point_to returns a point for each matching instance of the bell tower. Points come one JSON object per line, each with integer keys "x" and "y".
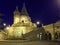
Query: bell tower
{"x": 16, "y": 15}
{"x": 24, "y": 11}
{"x": 24, "y": 15}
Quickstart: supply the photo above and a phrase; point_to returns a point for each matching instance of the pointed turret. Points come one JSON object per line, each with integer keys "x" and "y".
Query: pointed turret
{"x": 16, "y": 12}
{"x": 24, "y": 11}
{"x": 16, "y": 15}
{"x": 16, "y": 8}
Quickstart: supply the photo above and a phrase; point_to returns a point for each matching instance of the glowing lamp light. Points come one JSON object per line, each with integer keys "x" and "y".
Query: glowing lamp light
{"x": 38, "y": 22}
{"x": 4, "y": 24}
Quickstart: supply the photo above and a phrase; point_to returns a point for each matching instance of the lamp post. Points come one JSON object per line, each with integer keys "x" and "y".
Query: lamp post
{"x": 4, "y": 24}
{"x": 38, "y": 23}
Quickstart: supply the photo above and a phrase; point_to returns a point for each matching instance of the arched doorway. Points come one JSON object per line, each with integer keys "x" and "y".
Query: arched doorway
{"x": 48, "y": 35}
{"x": 57, "y": 35}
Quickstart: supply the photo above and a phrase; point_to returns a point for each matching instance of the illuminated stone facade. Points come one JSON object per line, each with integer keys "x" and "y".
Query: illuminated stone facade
{"x": 22, "y": 24}
{"x": 53, "y": 28}
{"x": 23, "y": 27}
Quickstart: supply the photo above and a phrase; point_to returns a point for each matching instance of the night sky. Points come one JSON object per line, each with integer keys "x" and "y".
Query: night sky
{"x": 45, "y": 11}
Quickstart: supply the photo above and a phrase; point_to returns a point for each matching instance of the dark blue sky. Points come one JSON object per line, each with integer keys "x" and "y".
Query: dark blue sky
{"x": 45, "y": 11}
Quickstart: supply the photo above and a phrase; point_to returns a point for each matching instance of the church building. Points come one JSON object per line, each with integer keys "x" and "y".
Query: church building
{"x": 22, "y": 24}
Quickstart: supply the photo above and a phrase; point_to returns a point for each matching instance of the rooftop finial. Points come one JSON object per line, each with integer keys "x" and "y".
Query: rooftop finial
{"x": 16, "y": 7}
{"x": 16, "y": 11}
{"x": 23, "y": 4}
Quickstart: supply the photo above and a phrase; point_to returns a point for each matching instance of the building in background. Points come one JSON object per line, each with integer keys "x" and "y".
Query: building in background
{"x": 53, "y": 29}
{"x": 22, "y": 24}
{"x": 23, "y": 28}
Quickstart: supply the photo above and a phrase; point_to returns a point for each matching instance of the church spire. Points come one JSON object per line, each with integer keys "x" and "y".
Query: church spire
{"x": 16, "y": 12}
{"x": 24, "y": 11}
{"x": 16, "y": 8}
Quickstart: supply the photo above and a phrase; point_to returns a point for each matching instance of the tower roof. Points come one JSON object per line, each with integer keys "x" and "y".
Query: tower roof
{"x": 24, "y": 11}
{"x": 16, "y": 10}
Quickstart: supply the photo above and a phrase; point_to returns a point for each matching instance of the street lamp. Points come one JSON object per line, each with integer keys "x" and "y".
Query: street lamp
{"x": 37, "y": 22}
{"x": 4, "y": 24}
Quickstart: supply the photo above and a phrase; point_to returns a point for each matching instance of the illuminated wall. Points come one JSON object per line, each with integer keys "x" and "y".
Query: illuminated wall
{"x": 22, "y": 24}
